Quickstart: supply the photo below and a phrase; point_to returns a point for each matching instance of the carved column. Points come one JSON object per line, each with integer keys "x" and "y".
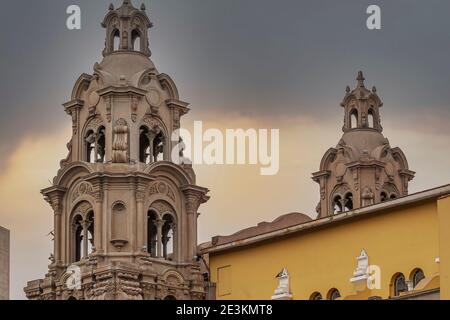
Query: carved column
{"x": 98, "y": 221}
{"x": 194, "y": 196}
{"x": 165, "y": 241}
{"x": 73, "y": 108}
{"x": 159, "y": 225}
{"x": 151, "y": 137}
{"x": 85, "y": 225}
{"x": 54, "y": 196}
{"x": 175, "y": 241}
{"x": 165, "y": 151}
{"x": 57, "y": 232}
{"x": 133, "y": 221}
{"x": 141, "y": 220}
{"x": 95, "y": 160}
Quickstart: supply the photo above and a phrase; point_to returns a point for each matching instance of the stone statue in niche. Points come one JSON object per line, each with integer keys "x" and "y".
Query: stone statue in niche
{"x": 120, "y": 143}
{"x": 368, "y": 197}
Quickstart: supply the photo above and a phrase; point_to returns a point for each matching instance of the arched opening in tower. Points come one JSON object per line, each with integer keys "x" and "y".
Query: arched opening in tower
{"x": 78, "y": 229}
{"x": 158, "y": 147}
{"x": 152, "y": 234}
{"x": 371, "y": 119}
{"x": 337, "y": 204}
{"x": 115, "y": 41}
{"x": 354, "y": 119}
{"x": 90, "y": 233}
{"x": 168, "y": 237}
{"x": 95, "y": 146}
{"x": 136, "y": 40}
{"x": 348, "y": 202}
{"x": 144, "y": 146}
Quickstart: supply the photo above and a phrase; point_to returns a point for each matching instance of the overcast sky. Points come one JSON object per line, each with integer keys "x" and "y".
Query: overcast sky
{"x": 264, "y": 63}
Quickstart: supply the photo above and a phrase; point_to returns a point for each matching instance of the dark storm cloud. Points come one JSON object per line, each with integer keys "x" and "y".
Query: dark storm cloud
{"x": 255, "y": 57}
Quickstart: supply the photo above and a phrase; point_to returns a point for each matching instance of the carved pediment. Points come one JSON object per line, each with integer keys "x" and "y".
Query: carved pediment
{"x": 84, "y": 188}
{"x": 163, "y": 188}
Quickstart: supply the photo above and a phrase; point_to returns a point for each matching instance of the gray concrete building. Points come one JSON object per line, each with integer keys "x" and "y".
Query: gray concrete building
{"x": 4, "y": 264}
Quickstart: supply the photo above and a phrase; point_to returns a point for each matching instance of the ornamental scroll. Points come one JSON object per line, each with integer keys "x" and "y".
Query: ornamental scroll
{"x": 120, "y": 143}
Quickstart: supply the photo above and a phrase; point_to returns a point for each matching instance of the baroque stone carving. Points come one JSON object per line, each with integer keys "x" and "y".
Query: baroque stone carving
{"x": 83, "y": 208}
{"x": 368, "y": 196}
{"x": 154, "y": 99}
{"x": 83, "y": 188}
{"x": 161, "y": 188}
{"x": 108, "y": 102}
{"x": 176, "y": 119}
{"x": 120, "y": 144}
{"x": 65, "y": 161}
{"x": 74, "y": 122}
{"x": 94, "y": 124}
{"x": 162, "y": 207}
{"x": 153, "y": 123}
{"x": 134, "y": 107}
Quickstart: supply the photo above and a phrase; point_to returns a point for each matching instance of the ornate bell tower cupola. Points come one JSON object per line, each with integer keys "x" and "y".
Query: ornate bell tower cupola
{"x": 363, "y": 169}
{"x": 125, "y": 215}
{"x": 127, "y": 29}
{"x": 362, "y": 108}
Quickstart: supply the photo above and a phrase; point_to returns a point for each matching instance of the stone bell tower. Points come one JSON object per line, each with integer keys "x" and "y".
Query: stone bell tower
{"x": 125, "y": 215}
{"x": 363, "y": 169}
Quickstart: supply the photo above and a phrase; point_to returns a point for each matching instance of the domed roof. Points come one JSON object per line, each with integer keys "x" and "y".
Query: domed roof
{"x": 285, "y": 221}
{"x": 364, "y": 143}
{"x": 124, "y": 68}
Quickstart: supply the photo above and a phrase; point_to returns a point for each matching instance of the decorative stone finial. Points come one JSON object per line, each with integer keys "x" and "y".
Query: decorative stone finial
{"x": 282, "y": 292}
{"x": 360, "y": 79}
{"x": 347, "y": 89}
{"x": 111, "y": 7}
{"x": 374, "y": 89}
{"x": 143, "y": 7}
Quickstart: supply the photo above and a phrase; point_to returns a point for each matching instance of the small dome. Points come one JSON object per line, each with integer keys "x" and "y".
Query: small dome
{"x": 364, "y": 142}
{"x": 124, "y": 68}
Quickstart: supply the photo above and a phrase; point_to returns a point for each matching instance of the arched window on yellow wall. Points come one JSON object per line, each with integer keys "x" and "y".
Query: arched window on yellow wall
{"x": 316, "y": 296}
{"x": 416, "y": 276}
{"x": 333, "y": 294}
{"x": 398, "y": 285}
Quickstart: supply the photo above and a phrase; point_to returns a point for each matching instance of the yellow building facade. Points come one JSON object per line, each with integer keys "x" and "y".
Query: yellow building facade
{"x": 401, "y": 237}
{"x": 371, "y": 239}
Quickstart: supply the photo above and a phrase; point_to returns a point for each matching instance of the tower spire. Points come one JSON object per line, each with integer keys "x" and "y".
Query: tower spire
{"x": 360, "y": 79}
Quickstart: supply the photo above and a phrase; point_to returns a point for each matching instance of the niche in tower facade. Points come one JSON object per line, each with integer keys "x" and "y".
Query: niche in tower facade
{"x": 95, "y": 145}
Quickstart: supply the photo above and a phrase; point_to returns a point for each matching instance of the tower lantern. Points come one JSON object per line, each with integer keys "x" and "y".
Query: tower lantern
{"x": 362, "y": 169}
